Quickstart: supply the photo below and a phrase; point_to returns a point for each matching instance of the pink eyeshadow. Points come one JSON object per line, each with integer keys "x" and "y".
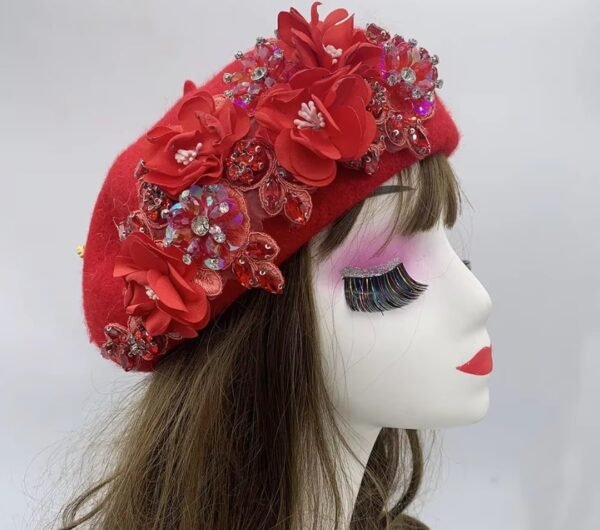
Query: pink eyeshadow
{"x": 367, "y": 254}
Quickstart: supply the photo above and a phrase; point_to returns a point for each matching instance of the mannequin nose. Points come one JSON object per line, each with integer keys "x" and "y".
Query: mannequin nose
{"x": 477, "y": 298}
{"x": 486, "y": 303}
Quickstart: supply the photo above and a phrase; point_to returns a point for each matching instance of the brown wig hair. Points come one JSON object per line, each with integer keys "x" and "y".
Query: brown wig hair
{"x": 235, "y": 429}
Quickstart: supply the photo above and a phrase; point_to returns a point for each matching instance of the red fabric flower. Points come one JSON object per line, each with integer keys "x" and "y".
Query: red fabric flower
{"x": 161, "y": 288}
{"x": 331, "y": 43}
{"x": 320, "y": 118}
{"x": 194, "y": 150}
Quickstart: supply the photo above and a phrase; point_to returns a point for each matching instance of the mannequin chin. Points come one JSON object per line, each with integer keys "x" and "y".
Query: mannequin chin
{"x": 399, "y": 368}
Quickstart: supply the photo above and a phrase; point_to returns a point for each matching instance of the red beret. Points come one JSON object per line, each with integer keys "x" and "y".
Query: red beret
{"x": 242, "y": 171}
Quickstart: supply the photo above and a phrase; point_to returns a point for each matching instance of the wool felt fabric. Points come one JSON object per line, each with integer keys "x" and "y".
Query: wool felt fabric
{"x": 103, "y": 294}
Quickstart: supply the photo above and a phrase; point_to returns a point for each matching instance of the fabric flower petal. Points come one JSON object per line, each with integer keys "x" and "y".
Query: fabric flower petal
{"x": 165, "y": 291}
{"x": 157, "y": 322}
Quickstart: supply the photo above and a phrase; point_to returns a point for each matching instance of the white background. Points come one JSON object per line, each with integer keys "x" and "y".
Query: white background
{"x": 79, "y": 81}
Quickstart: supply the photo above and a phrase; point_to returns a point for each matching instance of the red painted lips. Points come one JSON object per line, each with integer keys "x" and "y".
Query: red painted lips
{"x": 480, "y": 364}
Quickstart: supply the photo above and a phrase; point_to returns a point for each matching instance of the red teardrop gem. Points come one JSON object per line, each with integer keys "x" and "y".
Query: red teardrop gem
{"x": 261, "y": 247}
{"x": 243, "y": 270}
{"x": 271, "y": 195}
{"x": 269, "y": 277}
{"x": 298, "y": 206}
{"x": 418, "y": 141}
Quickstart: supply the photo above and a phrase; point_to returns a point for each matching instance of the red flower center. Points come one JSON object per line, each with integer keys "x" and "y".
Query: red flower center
{"x": 310, "y": 117}
{"x": 187, "y": 156}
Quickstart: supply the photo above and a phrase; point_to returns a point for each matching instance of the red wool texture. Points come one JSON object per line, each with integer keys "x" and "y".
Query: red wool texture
{"x": 103, "y": 293}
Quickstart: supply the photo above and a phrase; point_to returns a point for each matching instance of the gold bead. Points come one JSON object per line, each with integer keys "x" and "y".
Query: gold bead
{"x": 80, "y": 250}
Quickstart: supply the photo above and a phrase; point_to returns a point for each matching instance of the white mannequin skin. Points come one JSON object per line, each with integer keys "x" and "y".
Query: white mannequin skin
{"x": 399, "y": 368}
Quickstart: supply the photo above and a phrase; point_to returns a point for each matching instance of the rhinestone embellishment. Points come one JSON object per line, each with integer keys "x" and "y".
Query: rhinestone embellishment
{"x": 200, "y": 225}
{"x": 211, "y": 216}
{"x": 408, "y": 75}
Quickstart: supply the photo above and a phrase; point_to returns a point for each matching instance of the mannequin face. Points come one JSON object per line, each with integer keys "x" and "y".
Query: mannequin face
{"x": 398, "y": 368}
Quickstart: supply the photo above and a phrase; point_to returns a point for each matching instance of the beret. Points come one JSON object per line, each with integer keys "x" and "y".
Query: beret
{"x": 243, "y": 170}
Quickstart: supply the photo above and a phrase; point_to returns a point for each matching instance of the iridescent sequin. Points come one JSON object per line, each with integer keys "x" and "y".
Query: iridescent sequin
{"x": 209, "y": 223}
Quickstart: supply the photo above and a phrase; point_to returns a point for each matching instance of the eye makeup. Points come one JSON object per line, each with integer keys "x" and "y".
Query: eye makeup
{"x": 380, "y": 288}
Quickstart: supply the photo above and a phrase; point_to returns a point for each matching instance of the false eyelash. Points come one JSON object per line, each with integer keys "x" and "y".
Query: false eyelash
{"x": 381, "y": 289}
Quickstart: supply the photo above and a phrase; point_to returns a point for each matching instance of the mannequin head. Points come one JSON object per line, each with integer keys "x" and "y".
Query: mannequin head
{"x": 239, "y": 428}
{"x": 397, "y": 367}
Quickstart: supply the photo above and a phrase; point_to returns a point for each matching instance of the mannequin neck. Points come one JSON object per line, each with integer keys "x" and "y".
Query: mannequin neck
{"x": 360, "y": 439}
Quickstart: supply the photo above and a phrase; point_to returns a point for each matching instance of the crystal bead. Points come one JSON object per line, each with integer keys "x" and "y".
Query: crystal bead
{"x": 214, "y": 264}
{"x": 200, "y": 225}
{"x": 254, "y": 89}
{"x": 376, "y": 34}
{"x": 259, "y": 73}
{"x": 187, "y": 259}
{"x": 224, "y": 207}
{"x": 393, "y": 79}
{"x": 423, "y": 107}
{"x": 408, "y": 75}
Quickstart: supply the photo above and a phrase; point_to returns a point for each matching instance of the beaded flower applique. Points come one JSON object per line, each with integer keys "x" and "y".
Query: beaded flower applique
{"x": 317, "y": 95}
